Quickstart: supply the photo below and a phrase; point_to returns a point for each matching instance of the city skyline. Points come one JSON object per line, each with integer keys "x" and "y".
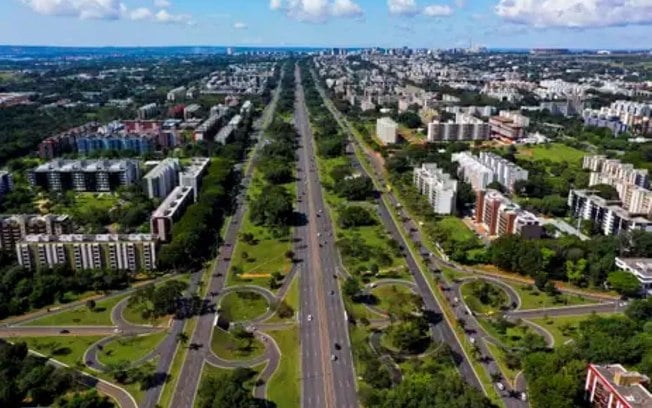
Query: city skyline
{"x": 579, "y": 24}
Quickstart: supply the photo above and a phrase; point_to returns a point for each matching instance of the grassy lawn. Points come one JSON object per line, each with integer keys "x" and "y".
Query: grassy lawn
{"x": 563, "y": 328}
{"x": 284, "y": 386}
{"x": 86, "y": 202}
{"x": 225, "y": 346}
{"x": 387, "y": 295}
{"x": 291, "y": 298}
{"x": 67, "y": 349}
{"x": 554, "y": 152}
{"x": 533, "y": 298}
{"x": 455, "y": 228}
{"x": 242, "y": 306}
{"x": 133, "y": 315}
{"x": 495, "y": 298}
{"x": 130, "y": 348}
{"x": 512, "y": 336}
{"x": 81, "y": 316}
{"x": 359, "y": 310}
{"x": 451, "y": 274}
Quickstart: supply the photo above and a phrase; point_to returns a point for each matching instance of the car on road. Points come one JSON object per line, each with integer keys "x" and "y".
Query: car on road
{"x": 333, "y": 357}
{"x": 500, "y": 386}
{"x": 310, "y": 318}
{"x": 332, "y": 292}
{"x": 64, "y": 331}
{"x": 523, "y": 396}
{"x": 337, "y": 346}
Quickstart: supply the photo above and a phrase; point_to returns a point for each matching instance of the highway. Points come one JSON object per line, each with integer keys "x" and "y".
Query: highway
{"x": 190, "y": 375}
{"x": 328, "y": 378}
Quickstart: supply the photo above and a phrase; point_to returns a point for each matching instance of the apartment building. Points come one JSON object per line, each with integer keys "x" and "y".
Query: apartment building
{"x": 500, "y": 216}
{"x": 134, "y": 252}
{"x": 465, "y": 127}
{"x": 641, "y": 268}
{"x": 147, "y": 111}
{"x": 6, "y": 182}
{"x": 84, "y": 175}
{"x": 191, "y": 111}
{"x": 91, "y": 143}
{"x": 170, "y": 210}
{"x": 608, "y": 215}
{"x": 482, "y": 111}
{"x": 439, "y": 188}
{"x": 386, "y": 130}
{"x": 604, "y": 118}
{"x": 162, "y": 179}
{"x": 64, "y": 142}
{"x": 13, "y": 228}
{"x": 632, "y": 184}
{"x": 621, "y": 116}
{"x": 176, "y": 94}
{"x": 509, "y": 126}
{"x": 612, "y": 386}
{"x": 193, "y": 173}
{"x": 486, "y": 168}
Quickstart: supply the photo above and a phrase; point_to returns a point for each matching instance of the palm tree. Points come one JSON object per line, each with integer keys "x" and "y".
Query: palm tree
{"x": 182, "y": 338}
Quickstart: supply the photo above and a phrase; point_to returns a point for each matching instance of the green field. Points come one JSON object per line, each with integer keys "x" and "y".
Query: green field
{"x": 455, "y": 228}
{"x": 82, "y": 315}
{"x": 533, "y": 298}
{"x": 243, "y": 306}
{"x": 386, "y": 296}
{"x": 225, "y": 346}
{"x": 67, "y": 349}
{"x": 451, "y": 274}
{"x": 130, "y": 349}
{"x": 554, "y": 152}
{"x": 512, "y": 336}
{"x": 563, "y": 328}
{"x": 493, "y": 303}
{"x": 283, "y": 388}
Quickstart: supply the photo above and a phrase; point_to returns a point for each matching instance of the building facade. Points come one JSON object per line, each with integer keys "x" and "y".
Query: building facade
{"x": 84, "y": 175}
{"x": 13, "y": 228}
{"x": 192, "y": 174}
{"x": 612, "y": 386}
{"x": 607, "y": 215}
{"x": 439, "y": 188}
{"x": 6, "y": 182}
{"x": 386, "y": 130}
{"x": 170, "y": 210}
{"x": 162, "y": 179}
{"x": 465, "y": 128}
{"x": 482, "y": 170}
{"x": 500, "y": 216}
{"x": 134, "y": 252}
{"x": 509, "y": 126}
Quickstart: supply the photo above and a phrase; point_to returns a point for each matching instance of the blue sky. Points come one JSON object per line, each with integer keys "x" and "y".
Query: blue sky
{"x": 332, "y": 23}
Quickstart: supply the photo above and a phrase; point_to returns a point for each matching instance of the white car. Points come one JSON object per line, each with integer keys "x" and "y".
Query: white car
{"x": 500, "y": 386}
{"x": 310, "y": 318}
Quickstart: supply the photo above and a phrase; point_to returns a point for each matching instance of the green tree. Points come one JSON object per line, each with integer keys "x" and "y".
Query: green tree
{"x": 624, "y": 283}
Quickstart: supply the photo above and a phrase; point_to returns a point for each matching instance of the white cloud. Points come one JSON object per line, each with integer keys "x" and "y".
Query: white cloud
{"x": 162, "y": 3}
{"x": 240, "y": 25}
{"x": 437, "y": 10}
{"x": 84, "y": 9}
{"x": 403, "y": 7}
{"x": 141, "y": 13}
{"x": 576, "y": 13}
{"x": 165, "y": 17}
{"x": 317, "y": 10}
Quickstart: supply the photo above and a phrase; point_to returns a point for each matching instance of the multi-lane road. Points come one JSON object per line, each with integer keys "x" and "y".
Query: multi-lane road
{"x": 328, "y": 378}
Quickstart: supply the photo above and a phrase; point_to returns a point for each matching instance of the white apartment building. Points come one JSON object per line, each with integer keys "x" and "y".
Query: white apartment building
{"x": 472, "y": 171}
{"x": 147, "y": 111}
{"x": 483, "y": 111}
{"x": 176, "y": 94}
{"x": 483, "y": 170}
{"x": 134, "y": 252}
{"x": 639, "y": 267}
{"x": 192, "y": 174}
{"x": 163, "y": 178}
{"x": 632, "y": 184}
{"x": 386, "y": 130}
{"x": 609, "y": 216}
{"x": 437, "y": 186}
{"x": 465, "y": 127}
{"x": 170, "y": 210}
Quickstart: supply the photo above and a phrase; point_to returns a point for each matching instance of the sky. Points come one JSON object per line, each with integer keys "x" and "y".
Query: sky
{"x": 593, "y": 24}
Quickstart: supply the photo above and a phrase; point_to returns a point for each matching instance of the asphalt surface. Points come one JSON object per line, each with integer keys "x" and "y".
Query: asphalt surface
{"x": 328, "y": 378}
{"x": 190, "y": 375}
{"x": 609, "y": 307}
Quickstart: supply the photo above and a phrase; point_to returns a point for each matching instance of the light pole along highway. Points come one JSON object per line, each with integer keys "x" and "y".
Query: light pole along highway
{"x": 328, "y": 378}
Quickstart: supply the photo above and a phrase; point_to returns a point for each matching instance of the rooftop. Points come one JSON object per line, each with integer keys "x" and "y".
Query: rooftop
{"x": 81, "y": 238}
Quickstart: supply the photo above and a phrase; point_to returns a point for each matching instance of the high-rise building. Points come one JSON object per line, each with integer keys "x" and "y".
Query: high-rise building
{"x": 176, "y": 94}
{"x": 163, "y": 178}
{"x": 6, "y": 182}
{"x": 14, "y": 228}
{"x": 439, "y": 188}
{"x": 509, "y": 126}
{"x": 500, "y": 216}
{"x": 612, "y": 386}
{"x": 608, "y": 215}
{"x": 56, "y": 145}
{"x": 465, "y": 127}
{"x": 486, "y": 168}
{"x": 84, "y": 175}
{"x": 170, "y": 210}
{"x": 134, "y": 252}
{"x": 147, "y": 111}
{"x": 193, "y": 173}
{"x": 386, "y": 130}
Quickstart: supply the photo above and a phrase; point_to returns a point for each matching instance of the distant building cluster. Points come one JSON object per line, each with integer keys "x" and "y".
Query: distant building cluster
{"x": 499, "y": 216}
{"x": 8, "y": 99}
{"x": 250, "y": 78}
{"x": 482, "y": 170}
{"x": 438, "y": 187}
{"x": 606, "y": 215}
{"x": 84, "y": 175}
{"x": 621, "y": 116}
